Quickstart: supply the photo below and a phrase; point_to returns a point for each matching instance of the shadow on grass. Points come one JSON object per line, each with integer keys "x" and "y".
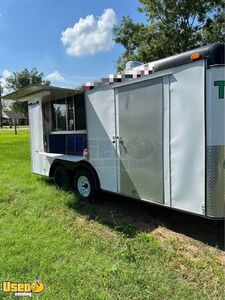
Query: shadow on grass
{"x": 129, "y": 217}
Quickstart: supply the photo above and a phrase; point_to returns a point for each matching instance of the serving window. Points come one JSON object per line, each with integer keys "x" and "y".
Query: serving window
{"x": 68, "y": 114}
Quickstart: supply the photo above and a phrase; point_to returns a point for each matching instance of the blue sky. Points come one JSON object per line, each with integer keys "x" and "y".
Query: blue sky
{"x": 31, "y": 36}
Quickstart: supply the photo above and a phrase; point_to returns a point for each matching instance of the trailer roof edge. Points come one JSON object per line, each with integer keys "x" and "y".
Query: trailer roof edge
{"x": 213, "y": 52}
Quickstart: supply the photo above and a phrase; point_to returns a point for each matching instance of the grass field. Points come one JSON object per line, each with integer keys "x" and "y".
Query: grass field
{"x": 111, "y": 249}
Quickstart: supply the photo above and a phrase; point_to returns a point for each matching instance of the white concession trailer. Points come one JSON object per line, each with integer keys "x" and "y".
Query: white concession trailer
{"x": 156, "y": 134}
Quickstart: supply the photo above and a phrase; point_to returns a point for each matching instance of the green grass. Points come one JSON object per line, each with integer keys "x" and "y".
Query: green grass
{"x": 23, "y": 127}
{"x": 83, "y": 251}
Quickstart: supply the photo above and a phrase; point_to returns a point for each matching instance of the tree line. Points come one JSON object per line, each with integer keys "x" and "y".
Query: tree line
{"x": 170, "y": 27}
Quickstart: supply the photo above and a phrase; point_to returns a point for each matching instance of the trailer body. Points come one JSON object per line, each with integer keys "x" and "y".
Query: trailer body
{"x": 159, "y": 137}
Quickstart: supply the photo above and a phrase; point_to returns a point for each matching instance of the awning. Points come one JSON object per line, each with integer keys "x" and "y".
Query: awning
{"x": 39, "y": 91}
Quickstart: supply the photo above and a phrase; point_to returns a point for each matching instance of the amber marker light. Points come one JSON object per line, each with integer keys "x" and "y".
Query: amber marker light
{"x": 195, "y": 56}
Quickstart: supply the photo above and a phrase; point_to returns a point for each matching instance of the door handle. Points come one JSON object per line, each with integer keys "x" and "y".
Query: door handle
{"x": 123, "y": 146}
{"x": 115, "y": 137}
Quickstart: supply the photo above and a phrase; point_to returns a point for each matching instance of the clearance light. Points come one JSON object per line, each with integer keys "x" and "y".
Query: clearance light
{"x": 195, "y": 56}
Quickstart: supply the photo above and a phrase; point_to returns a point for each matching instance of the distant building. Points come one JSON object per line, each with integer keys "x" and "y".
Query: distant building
{"x": 10, "y": 118}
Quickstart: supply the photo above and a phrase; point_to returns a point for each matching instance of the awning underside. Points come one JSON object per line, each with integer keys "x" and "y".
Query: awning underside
{"x": 40, "y": 91}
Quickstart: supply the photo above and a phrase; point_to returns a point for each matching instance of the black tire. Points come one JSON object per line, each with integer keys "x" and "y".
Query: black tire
{"x": 83, "y": 184}
{"x": 61, "y": 178}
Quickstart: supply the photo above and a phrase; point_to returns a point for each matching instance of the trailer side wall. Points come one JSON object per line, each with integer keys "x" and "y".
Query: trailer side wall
{"x": 215, "y": 142}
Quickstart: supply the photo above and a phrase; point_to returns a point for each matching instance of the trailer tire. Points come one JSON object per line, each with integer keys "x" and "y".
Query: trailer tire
{"x": 61, "y": 178}
{"x": 84, "y": 185}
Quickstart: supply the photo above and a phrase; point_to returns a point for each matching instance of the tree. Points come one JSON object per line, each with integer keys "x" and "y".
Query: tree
{"x": 172, "y": 26}
{"x": 23, "y": 79}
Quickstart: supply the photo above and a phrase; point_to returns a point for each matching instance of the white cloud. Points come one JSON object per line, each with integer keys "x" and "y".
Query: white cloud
{"x": 55, "y": 76}
{"x": 90, "y": 35}
{"x": 5, "y": 74}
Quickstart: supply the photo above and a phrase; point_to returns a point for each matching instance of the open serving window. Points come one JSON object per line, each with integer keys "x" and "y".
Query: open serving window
{"x": 68, "y": 114}
{"x": 57, "y": 118}
{"x": 64, "y": 124}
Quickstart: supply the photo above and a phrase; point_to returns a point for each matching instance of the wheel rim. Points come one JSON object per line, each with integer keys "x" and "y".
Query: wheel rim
{"x": 84, "y": 186}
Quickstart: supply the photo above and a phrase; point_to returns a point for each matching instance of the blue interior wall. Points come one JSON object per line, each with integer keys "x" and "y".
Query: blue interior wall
{"x": 71, "y": 144}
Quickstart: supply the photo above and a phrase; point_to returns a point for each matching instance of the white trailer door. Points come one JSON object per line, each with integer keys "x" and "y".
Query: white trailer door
{"x": 187, "y": 137}
{"x": 100, "y": 110}
{"x": 36, "y": 132}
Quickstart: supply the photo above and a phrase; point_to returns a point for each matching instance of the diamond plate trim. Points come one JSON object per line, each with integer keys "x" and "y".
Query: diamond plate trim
{"x": 215, "y": 181}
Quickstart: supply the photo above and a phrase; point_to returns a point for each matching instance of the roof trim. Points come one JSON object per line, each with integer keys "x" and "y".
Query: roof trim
{"x": 24, "y": 93}
{"x": 214, "y": 53}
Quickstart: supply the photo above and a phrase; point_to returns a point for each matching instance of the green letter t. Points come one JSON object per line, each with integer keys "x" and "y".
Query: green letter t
{"x": 221, "y": 85}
